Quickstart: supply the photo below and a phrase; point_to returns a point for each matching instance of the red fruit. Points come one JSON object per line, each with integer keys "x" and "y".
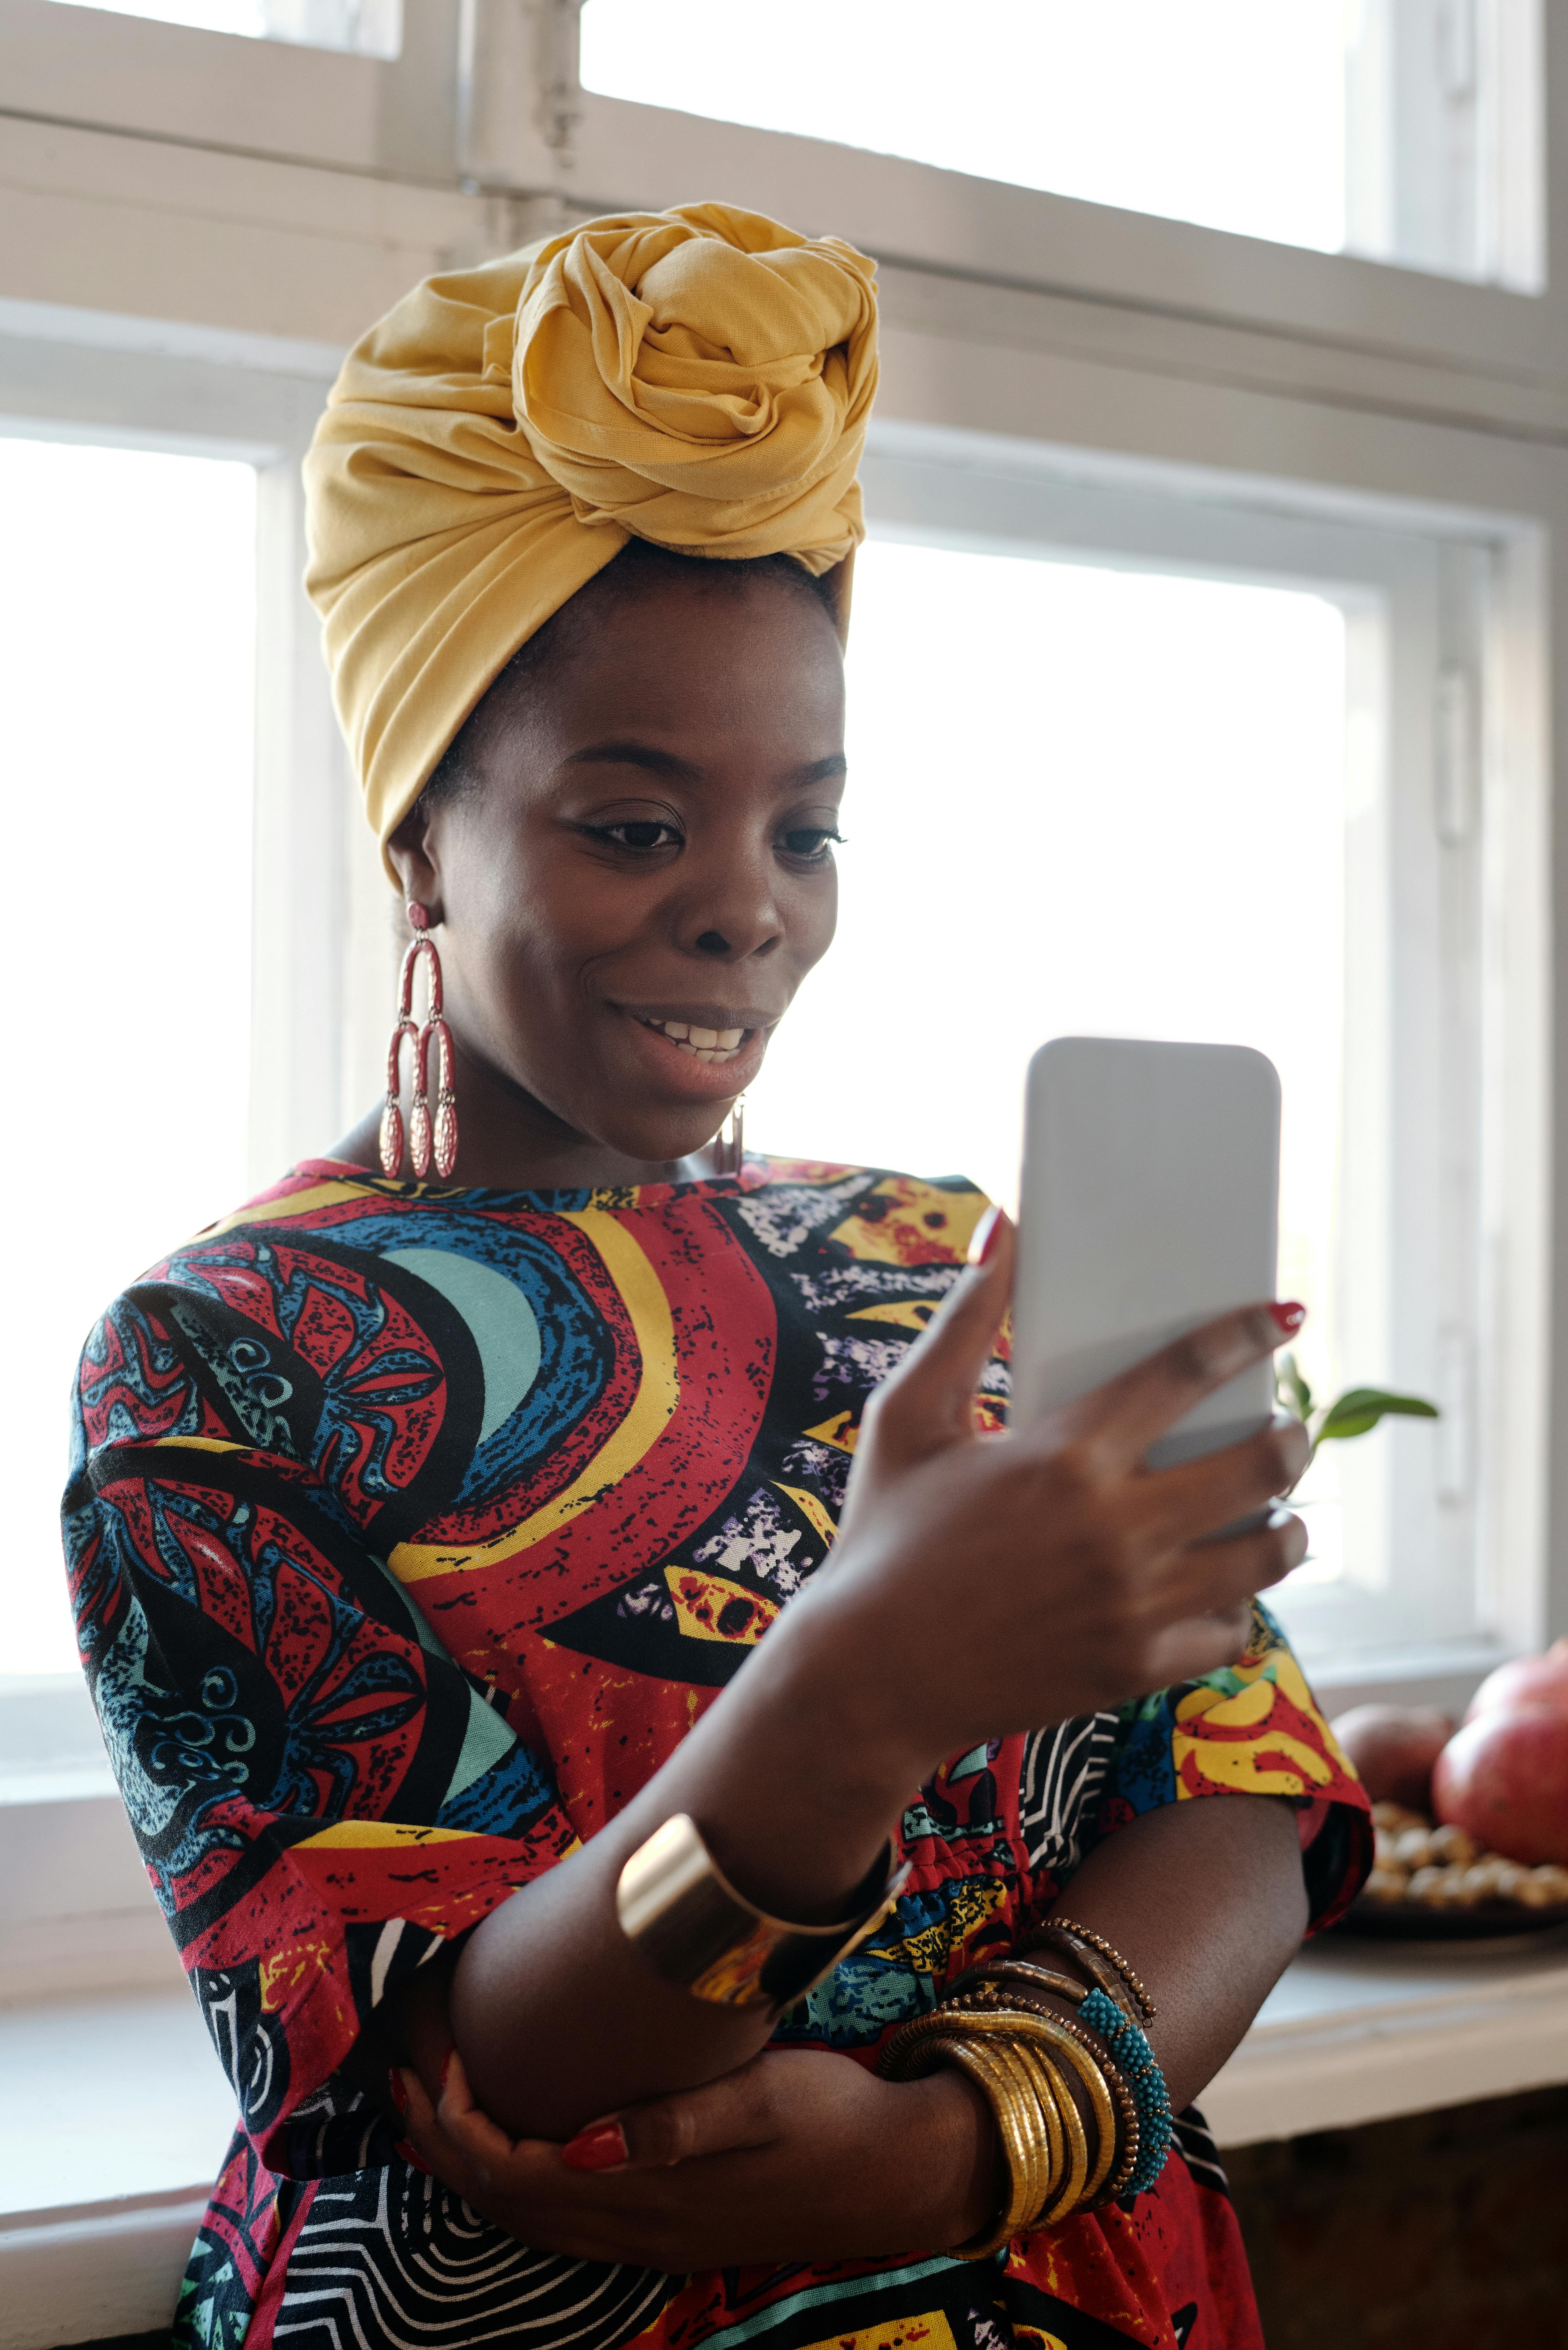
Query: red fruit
{"x": 1504, "y": 1777}
{"x": 1392, "y": 1748}
{"x": 1526, "y": 1680}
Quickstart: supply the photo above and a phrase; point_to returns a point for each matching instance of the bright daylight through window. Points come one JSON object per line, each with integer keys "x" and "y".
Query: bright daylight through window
{"x": 1137, "y": 829}
{"x": 127, "y": 688}
{"x": 1276, "y": 120}
{"x": 372, "y": 28}
{"x": 1123, "y": 104}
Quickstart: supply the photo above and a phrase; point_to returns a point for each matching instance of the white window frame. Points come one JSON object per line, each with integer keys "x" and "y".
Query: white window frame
{"x": 323, "y": 956}
{"x": 193, "y": 227}
{"x": 1441, "y": 1292}
{"x": 323, "y": 940}
{"x": 486, "y": 96}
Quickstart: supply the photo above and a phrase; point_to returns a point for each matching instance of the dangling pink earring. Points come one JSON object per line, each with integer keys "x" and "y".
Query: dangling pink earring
{"x": 730, "y": 1142}
{"x": 424, "y": 1140}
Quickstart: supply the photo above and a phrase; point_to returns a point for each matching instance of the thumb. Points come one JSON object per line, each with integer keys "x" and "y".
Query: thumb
{"x": 925, "y": 1404}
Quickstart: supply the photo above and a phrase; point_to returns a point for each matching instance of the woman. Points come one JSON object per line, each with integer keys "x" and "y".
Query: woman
{"x": 421, "y": 1530}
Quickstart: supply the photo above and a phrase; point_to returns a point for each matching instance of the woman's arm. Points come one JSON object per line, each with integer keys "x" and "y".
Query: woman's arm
{"x": 978, "y": 1587}
{"x": 1208, "y": 1902}
{"x": 805, "y": 2155}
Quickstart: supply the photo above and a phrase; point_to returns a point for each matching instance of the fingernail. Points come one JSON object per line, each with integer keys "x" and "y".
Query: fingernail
{"x": 412, "y": 2158}
{"x": 445, "y": 2069}
{"x": 985, "y": 1236}
{"x": 601, "y": 2147}
{"x": 1289, "y": 1316}
{"x": 396, "y": 2090}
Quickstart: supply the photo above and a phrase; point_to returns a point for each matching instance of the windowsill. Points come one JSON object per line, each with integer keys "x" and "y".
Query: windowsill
{"x": 1445, "y": 1675}
{"x": 1358, "y": 2032}
{"x": 128, "y": 2115}
{"x": 119, "y": 2118}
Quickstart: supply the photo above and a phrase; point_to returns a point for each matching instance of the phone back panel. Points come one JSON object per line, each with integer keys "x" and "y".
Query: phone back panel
{"x": 1150, "y": 1203}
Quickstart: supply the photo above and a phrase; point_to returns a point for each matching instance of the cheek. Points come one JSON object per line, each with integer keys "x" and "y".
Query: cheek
{"x": 527, "y": 924}
{"x": 814, "y": 922}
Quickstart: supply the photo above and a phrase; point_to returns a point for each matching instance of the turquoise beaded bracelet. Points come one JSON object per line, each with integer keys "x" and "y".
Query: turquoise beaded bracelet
{"x": 1134, "y": 2061}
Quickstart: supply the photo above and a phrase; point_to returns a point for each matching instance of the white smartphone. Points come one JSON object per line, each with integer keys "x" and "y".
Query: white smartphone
{"x": 1149, "y": 1204}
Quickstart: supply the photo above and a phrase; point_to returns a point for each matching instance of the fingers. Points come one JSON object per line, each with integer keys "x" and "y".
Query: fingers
{"x": 1212, "y": 1600}
{"x": 424, "y": 2138}
{"x": 1202, "y": 1644}
{"x": 1221, "y": 1575}
{"x": 465, "y": 2123}
{"x": 456, "y": 2097}
{"x": 1129, "y": 1412}
{"x": 721, "y": 2117}
{"x": 1199, "y": 1497}
{"x": 925, "y": 1403}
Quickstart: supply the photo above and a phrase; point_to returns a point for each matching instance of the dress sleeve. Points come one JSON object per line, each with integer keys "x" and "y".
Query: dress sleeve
{"x": 1252, "y": 1729}
{"x": 322, "y": 1798}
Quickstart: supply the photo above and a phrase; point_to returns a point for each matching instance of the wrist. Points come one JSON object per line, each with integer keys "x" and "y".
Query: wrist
{"x": 964, "y": 2165}
{"x": 835, "y": 1663}
{"x": 795, "y": 1805}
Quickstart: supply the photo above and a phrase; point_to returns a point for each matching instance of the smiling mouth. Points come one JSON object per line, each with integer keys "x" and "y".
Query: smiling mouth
{"x": 702, "y": 1044}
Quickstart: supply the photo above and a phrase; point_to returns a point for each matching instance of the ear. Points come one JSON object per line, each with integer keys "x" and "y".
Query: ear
{"x": 414, "y": 854}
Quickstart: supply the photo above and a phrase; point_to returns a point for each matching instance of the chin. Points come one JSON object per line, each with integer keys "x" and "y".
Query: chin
{"x": 674, "y": 1134}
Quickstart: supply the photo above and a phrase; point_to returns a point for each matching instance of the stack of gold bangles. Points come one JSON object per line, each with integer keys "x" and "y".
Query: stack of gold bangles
{"x": 1025, "y": 2057}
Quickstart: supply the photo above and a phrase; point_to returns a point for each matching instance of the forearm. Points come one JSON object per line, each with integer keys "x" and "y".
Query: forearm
{"x": 1207, "y": 1900}
{"x": 557, "y": 2016}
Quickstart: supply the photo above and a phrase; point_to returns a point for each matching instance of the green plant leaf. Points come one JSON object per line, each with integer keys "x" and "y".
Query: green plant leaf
{"x": 1360, "y": 1409}
{"x": 1290, "y": 1388}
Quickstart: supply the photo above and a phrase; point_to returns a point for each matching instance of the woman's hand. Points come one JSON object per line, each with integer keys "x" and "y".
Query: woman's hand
{"x": 800, "y": 2155}
{"x": 1001, "y": 1582}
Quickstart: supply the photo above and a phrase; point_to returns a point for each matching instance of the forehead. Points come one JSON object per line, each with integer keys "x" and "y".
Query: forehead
{"x": 689, "y": 665}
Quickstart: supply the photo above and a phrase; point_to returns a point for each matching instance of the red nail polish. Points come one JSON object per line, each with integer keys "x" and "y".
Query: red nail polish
{"x": 986, "y": 1234}
{"x": 412, "y": 2158}
{"x": 1290, "y": 1315}
{"x": 396, "y": 2090}
{"x": 445, "y": 2069}
{"x": 601, "y": 2147}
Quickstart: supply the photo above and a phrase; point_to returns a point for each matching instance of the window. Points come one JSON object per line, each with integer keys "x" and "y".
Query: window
{"x": 1364, "y": 126}
{"x": 1144, "y": 363}
{"x": 372, "y": 28}
{"x": 1135, "y": 829}
{"x": 1210, "y": 775}
{"x": 127, "y": 630}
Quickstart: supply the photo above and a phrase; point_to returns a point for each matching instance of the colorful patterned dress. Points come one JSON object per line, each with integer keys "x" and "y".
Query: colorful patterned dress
{"x": 409, "y": 1530}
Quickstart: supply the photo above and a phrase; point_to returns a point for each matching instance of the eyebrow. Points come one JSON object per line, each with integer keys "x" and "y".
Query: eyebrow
{"x": 632, "y": 754}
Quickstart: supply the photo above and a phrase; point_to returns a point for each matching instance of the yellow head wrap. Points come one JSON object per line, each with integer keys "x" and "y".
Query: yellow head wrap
{"x": 701, "y": 378}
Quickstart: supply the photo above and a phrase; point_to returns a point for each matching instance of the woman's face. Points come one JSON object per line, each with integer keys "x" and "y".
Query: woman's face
{"x": 642, "y": 873}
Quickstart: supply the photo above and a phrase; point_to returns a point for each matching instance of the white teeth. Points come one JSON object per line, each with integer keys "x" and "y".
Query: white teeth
{"x": 702, "y": 1044}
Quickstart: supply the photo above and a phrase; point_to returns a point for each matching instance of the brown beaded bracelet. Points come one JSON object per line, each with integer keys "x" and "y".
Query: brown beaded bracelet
{"x": 1070, "y": 1928}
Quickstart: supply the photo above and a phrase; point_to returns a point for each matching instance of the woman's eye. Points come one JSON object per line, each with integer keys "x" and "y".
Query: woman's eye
{"x": 811, "y": 841}
{"x": 637, "y": 833}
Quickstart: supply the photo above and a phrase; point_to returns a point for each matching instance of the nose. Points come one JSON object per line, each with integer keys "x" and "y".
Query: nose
{"x": 730, "y": 910}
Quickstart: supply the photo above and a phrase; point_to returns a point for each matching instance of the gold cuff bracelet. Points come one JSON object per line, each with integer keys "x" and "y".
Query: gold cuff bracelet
{"x": 678, "y": 1909}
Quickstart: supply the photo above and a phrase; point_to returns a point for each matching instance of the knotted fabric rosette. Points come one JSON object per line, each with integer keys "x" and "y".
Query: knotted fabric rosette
{"x": 700, "y": 378}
